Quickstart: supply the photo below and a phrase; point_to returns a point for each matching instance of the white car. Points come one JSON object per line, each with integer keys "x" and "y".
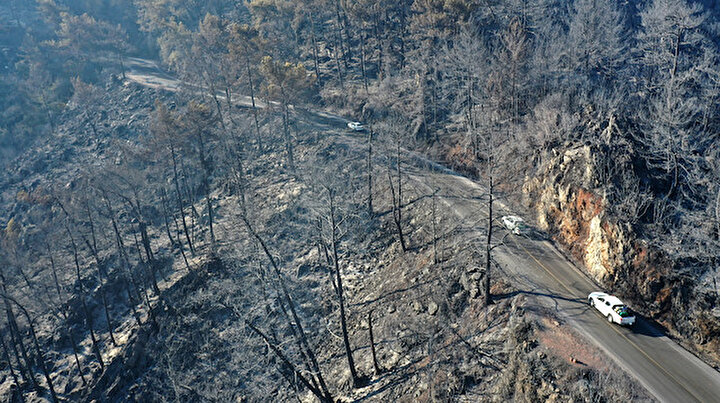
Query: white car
{"x": 356, "y": 126}
{"x": 612, "y": 308}
{"x": 515, "y": 224}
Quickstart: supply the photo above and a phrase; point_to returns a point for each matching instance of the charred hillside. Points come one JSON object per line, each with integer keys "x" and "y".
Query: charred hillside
{"x": 186, "y": 215}
{"x": 150, "y": 319}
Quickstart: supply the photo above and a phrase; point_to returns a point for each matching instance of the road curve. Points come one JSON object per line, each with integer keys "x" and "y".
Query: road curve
{"x": 537, "y": 268}
{"x": 669, "y": 372}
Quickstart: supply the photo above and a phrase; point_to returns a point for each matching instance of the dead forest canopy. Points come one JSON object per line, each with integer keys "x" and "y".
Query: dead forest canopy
{"x": 636, "y": 81}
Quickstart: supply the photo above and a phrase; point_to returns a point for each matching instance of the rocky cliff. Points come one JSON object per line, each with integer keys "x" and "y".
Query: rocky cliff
{"x": 568, "y": 200}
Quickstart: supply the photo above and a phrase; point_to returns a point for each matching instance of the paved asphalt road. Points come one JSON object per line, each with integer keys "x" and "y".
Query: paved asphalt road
{"x": 667, "y": 371}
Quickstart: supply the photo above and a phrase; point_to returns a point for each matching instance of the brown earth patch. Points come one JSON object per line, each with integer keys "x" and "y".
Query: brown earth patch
{"x": 563, "y": 343}
{"x": 587, "y": 204}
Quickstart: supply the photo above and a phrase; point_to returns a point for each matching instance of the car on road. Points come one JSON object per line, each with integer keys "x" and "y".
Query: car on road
{"x": 356, "y": 126}
{"x": 612, "y": 308}
{"x": 515, "y": 224}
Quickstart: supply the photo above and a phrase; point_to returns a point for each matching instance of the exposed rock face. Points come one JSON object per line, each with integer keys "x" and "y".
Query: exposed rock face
{"x": 471, "y": 281}
{"x": 568, "y": 202}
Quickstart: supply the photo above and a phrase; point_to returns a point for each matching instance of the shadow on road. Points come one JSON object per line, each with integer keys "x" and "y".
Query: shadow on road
{"x": 647, "y": 327}
{"x": 581, "y": 301}
{"x": 643, "y": 326}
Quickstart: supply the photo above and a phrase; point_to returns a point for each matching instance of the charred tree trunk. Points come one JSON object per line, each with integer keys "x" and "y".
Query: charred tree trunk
{"x": 130, "y": 278}
{"x": 362, "y": 62}
{"x": 436, "y": 259}
{"x": 103, "y": 297}
{"x": 208, "y": 203}
{"x": 145, "y": 239}
{"x": 163, "y": 201}
{"x": 369, "y": 174}
{"x": 286, "y": 131}
{"x": 207, "y": 171}
{"x": 63, "y": 313}
{"x": 376, "y": 367}
{"x": 341, "y": 80}
{"x": 101, "y": 290}
{"x": 6, "y": 353}
{"x": 176, "y": 243}
{"x": 379, "y": 46}
{"x": 339, "y": 290}
{"x": 142, "y": 230}
{"x": 313, "y": 38}
{"x": 16, "y": 342}
{"x": 91, "y": 224}
{"x": 41, "y": 358}
{"x": 488, "y": 244}
{"x": 81, "y": 296}
{"x": 180, "y": 200}
{"x": 321, "y": 395}
{"x": 252, "y": 99}
{"x": 397, "y": 201}
{"x": 296, "y": 324}
{"x": 344, "y": 44}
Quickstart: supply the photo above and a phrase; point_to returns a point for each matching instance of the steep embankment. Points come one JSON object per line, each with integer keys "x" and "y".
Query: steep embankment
{"x": 568, "y": 200}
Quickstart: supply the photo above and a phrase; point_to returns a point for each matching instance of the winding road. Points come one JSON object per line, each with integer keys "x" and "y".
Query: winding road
{"x": 669, "y": 372}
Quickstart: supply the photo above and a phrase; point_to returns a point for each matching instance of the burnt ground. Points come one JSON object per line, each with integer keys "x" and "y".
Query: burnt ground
{"x": 434, "y": 338}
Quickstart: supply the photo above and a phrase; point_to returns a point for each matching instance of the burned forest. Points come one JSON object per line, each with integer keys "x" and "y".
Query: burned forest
{"x": 349, "y": 201}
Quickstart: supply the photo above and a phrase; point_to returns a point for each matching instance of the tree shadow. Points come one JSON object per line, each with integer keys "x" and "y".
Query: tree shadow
{"x": 581, "y": 301}
{"x": 398, "y": 375}
{"x": 398, "y": 291}
{"x": 415, "y": 200}
{"x": 535, "y": 235}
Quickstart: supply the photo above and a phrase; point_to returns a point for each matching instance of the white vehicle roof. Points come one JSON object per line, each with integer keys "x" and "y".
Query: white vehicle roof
{"x": 513, "y": 218}
{"x": 613, "y": 300}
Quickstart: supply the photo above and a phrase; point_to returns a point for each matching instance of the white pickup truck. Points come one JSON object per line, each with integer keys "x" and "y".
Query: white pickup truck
{"x": 612, "y": 308}
{"x": 515, "y": 224}
{"x": 356, "y": 126}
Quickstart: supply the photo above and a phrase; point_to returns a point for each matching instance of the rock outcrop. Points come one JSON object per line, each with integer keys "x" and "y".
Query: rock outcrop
{"x": 568, "y": 201}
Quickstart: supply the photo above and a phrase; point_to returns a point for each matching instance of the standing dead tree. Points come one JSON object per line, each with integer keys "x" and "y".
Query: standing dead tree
{"x": 316, "y": 382}
{"x": 285, "y": 83}
{"x": 63, "y": 308}
{"x": 16, "y": 339}
{"x": 125, "y": 259}
{"x": 394, "y": 139}
{"x": 369, "y": 168}
{"x": 98, "y": 264}
{"x": 243, "y": 48}
{"x": 484, "y": 113}
{"x": 31, "y": 325}
{"x": 197, "y": 124}
{"x": 334, "y": 222}
{"x": 127, "y": 187}
{"x": 312, "y": 377}
{"x": 340, "y": 219}
{"x": 81, "y": 292}
{"x": 164, "y": 128}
